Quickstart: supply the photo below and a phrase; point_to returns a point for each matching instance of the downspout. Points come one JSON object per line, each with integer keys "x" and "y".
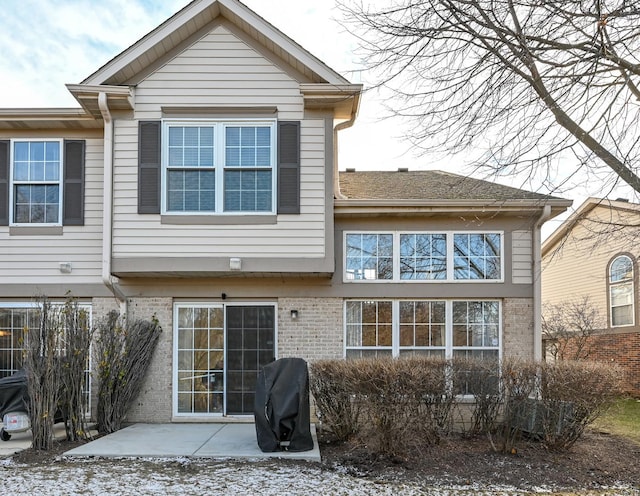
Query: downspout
{"x": 537, "y": 283}
{"x": 107, "y": 216}
{"x": 336, "y": 175}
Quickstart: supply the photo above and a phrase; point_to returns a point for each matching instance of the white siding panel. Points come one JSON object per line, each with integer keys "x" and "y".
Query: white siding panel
{"x": 522, "y": 257}
{"x": 220, "y": 70}
{"x": 28, "y": 259}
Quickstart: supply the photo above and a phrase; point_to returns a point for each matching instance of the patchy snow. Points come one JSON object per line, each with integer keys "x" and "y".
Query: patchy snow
{"x": 228, "y": 477}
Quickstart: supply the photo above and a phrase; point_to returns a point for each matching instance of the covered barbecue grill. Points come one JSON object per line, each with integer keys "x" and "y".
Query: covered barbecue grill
{"x": 282, "y": 415}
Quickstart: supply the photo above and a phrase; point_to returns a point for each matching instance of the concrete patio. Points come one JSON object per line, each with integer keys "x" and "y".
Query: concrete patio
{"x": 215, "y": 440}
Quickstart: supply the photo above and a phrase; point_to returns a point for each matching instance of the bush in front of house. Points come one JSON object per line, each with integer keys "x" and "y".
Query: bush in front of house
{"x": 396, "y": 406}
{"x": 123, "y": 354}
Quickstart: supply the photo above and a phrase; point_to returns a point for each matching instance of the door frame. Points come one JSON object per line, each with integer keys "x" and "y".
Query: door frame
{"x": 174, "y": 346}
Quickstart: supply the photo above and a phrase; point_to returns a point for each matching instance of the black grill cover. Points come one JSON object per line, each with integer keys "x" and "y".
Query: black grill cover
{"x": 14, "y": 394}
{"x": 282, "y": 406}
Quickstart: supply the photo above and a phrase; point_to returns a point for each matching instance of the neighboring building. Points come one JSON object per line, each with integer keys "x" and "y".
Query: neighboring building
{"x": 198, "y": 183}
{"x": 594, "y": 254}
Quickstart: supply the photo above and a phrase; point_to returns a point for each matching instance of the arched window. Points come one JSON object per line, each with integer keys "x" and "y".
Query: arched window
{"x": 621, "y": 293}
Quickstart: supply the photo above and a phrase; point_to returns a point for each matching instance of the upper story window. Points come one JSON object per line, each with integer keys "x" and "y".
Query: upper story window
{"x": 219, "y": 167}
{"x": 423, "y": 256}
{"x": 621, "y": 291}
{"x": 36, "y": 172}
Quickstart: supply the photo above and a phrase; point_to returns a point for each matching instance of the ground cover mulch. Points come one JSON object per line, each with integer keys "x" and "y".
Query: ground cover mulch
{"x": 597, "y": 460}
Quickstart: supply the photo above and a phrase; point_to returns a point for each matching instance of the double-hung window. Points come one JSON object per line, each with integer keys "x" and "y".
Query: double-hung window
{"x": 441, "y": 328}
{"x": 36, "y": 172}
{"x": 219, "y": 167}
{"x": 423, "y": 256}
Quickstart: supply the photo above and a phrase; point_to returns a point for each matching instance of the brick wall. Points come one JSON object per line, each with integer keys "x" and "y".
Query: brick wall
{"x": 622, "y": 349}
{"x": 317, "y": 333}
{"x": 517, "y": 328}
{"x": 154, "y": 404}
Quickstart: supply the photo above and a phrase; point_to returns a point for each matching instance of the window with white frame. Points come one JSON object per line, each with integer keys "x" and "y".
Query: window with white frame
{"x": 423, "y": 256}
{"x": 621, "y": 291}
{"x": 443, "y": 328}
{"x": 219, "y": 167}
{"x": 36, "y": 172}
{"x": 15, "y": 321}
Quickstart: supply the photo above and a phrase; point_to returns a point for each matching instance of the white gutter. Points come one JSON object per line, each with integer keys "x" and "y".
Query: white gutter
{"x": 107, "y": 215}
{"x": 537, "y": 283}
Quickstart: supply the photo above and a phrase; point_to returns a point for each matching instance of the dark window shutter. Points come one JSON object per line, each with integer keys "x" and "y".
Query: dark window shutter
{"x": 73, "y": 190}
{"x": 4, "y": 182}
{"x": 288, "y": 167}
{"x": 149, "y": 167}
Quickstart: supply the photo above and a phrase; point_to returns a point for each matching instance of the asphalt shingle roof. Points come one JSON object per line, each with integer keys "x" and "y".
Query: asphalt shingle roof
{"x": 426, "y": 185}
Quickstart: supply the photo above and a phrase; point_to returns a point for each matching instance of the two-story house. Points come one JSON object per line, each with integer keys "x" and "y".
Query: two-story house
{"x": 594, "y": 255}
{"x": 199, "y": 183}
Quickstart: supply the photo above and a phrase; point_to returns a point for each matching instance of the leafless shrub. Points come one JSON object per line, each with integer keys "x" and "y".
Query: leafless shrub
{"x": 390, "y": 405}
{"x": 333, "y": 392}
{"x": 480, "y": 379}
{"x": 518, "y": 383}
{"x": 74, "y": 362}
{"x": 567, "y": 327}
{"x": 42, "y": 364}
{"x": 573, "y": 394}
{"x": 123, "y": 355}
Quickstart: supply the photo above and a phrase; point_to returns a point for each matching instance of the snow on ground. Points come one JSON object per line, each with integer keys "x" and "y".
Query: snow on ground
{"x": 194, "y": 477}
{"x": 184, "y": 476}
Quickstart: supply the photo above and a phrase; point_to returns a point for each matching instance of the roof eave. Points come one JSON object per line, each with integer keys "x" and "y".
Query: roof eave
{"x": 372, "y": 206}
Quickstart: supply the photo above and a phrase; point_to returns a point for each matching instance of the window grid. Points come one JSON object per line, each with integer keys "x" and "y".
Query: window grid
{"x": 200, "y": 359}
{"x": 36, "y": 182}
{"x": 423, "y": 257}
{"x": 369, "y": 256}
{"x": 218, "y": 167}
{"x": 621, "y": 292}
{"x": 428, "y": 327}
{"x": 14, "y": 324}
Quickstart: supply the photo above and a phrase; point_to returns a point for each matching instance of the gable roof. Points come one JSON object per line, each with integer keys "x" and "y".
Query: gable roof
{"x": 189, "y": 24}
{"x": 581, "y": 213}
{"x": 437, "y": 189}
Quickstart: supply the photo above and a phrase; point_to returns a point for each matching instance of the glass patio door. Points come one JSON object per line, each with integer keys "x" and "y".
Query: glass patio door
{"x": 250, "y": 346}
{"x": 219, "y": 353}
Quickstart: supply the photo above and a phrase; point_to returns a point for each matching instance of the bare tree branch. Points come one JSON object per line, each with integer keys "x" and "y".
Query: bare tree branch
{"x": 514, "y": 84}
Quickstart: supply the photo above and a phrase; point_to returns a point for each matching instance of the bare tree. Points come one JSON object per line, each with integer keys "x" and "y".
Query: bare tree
{"x": 567, "y": 327}
{"x": 517, "y": 85}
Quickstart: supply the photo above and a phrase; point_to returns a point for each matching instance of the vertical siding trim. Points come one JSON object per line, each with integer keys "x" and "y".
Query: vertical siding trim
{"x": 73, "y": 189}
{"x": 288, "y": 167}
{"x": 4, "y": 182}
{"x": 149, "y": 168}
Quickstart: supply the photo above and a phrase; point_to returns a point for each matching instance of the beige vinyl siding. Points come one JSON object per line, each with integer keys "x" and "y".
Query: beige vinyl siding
{"x": 522, "y": 257}
{"x": 578, "y": 266}
{"x": 221, "y": 70}
{"x": 35, "y": 259}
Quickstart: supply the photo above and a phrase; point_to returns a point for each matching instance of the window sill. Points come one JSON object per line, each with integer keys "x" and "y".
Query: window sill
{"x": 226, "y": 220}
{"x": 35, "y": 231}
